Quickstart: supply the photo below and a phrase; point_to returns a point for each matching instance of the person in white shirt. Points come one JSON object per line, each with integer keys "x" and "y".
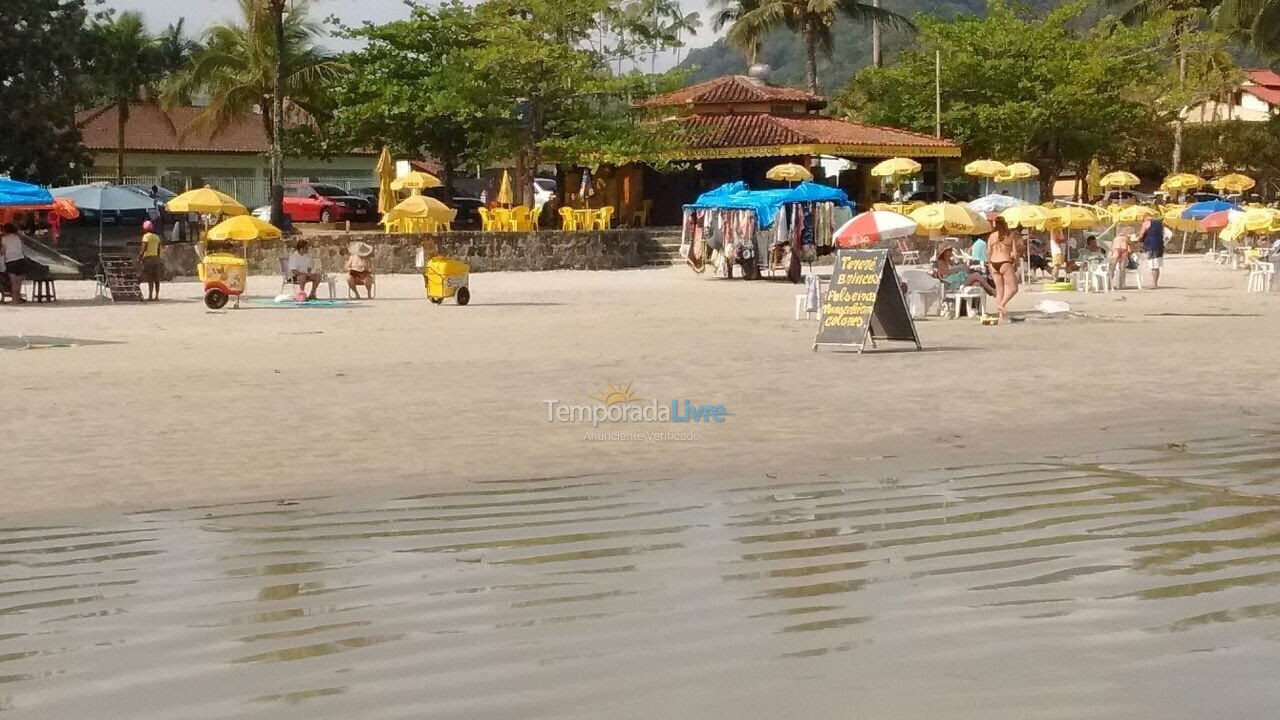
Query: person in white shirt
{"x": 15, "y": 260}
{"x": 303, "y": 271}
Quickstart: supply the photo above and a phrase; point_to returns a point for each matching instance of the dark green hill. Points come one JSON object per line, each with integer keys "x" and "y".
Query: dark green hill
{"x": 784, "y": 52}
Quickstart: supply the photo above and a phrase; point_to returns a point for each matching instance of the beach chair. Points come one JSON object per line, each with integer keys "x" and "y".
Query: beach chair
{"x": 640, "y": 218}
{"x": 906, "y": 255}
{"x": 1092, "y": 277}
{"x": 568, "y": 219}
{"x": 287, "y": 284}
{"x": 1261, "y": 274}
{"x": 486, "y": 220}
{"x": 604, "y": 218}
{"x": 520, "y": 219}
{"x": 501, "y": 220}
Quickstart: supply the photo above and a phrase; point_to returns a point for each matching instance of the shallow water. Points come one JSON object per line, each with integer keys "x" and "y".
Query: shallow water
{"x": 1138, "y": 584}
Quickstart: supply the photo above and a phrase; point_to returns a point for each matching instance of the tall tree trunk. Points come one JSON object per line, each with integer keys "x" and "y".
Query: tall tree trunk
{"x": 811, "y": 59}
{"x": 122, "y": 118}
{"x": 876, "y": 60}
{"x": 1176, "y": 160}
{"x": 277, "y": 117}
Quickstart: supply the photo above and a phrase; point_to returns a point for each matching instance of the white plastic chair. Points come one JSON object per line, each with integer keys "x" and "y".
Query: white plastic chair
{"x": 923, "y": 289}
{"x": 1261, "y": 275}
{"x": 287, "y": 284}
{"x": 909, "y": 256}
{"x": 1093, "y": 277}
{"x": 971, "y": 295}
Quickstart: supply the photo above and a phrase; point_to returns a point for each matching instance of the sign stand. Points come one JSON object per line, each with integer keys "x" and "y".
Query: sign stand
{"x": 864, "y": 302}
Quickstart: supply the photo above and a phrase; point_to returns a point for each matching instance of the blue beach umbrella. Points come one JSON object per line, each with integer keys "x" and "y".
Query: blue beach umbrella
{"x": 103, "y": 197}
{"x": 1202, "y": 210}
{"x": 20, "y": 194}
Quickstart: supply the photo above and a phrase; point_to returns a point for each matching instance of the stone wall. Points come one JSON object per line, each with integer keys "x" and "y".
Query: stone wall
{"x": 483, "y": 251}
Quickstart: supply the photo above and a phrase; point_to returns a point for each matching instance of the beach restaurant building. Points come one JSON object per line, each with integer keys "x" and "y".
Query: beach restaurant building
{"x": 736, "y": 127}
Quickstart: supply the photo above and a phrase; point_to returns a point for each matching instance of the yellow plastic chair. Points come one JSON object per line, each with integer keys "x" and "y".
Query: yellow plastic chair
{"x": 520, "y": 219}
{"x": 568, "y": 219}
{"x": 640, "y": 218}
{"x": 486, "y": 220}
{"x": 502, "y": 220}
{"x": 605, "y": 217}
{"x": 535, "y": 217}
{"x": 585, "y": 218}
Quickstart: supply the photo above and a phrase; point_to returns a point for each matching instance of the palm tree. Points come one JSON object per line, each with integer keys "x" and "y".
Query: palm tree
{"x": 130, "y": 64}
{"x": 235, "y": 69}
{"x": 1190, "y": 15}
{"x": 729, "y": 12}
{"x": 813, "y": 20}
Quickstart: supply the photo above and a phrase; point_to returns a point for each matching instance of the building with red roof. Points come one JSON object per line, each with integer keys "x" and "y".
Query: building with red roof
{"x": 164, "y": 147}
{"x": 736, "y": 127}
{"x": 1257, "y": 99}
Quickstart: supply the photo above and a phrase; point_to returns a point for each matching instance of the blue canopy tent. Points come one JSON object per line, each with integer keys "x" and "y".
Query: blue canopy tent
{"x": 766, "y": 203}
{"x": 14, "y": 194}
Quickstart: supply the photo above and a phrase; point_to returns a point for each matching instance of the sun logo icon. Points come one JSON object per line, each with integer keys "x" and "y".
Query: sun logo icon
{"x": 615, "y": 394}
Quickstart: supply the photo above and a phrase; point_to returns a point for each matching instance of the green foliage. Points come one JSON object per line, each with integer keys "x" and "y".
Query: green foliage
{"x": 506, "y": 79}
{"x": 44, "y": 73}
{"x": 1026, "y": 88}
{"x": 234, "y": 70}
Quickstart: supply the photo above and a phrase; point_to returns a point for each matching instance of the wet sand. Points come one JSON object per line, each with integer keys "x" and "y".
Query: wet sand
{"x": 183, "y": 405}
{"x": 1138, "y": 583}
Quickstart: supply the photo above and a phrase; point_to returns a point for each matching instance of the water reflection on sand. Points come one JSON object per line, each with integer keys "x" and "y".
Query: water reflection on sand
{"x": 1137, "y": 583}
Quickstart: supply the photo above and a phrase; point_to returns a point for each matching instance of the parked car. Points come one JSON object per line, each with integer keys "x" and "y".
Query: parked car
{"x": 468, "y": 207}
{"x": 543, "y": 190}
{"x": 1127, "y": 197}
{"x": 928, "y": 196}
{"x": 317, "y": 202}
{"x": 367, "y": 192}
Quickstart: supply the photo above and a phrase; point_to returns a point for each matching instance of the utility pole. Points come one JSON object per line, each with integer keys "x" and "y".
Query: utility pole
{"x": 937, "y": 123}
{"x": 876, "y": 60}
{"x": 277, "y": 118}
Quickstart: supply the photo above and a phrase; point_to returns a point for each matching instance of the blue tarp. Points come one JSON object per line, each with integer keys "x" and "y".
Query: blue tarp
{"x": 737, "y": 196}
{"x": 14, "y": 193}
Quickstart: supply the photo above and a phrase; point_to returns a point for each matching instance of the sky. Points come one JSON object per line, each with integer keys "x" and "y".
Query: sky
{"x": 199, "y": 13}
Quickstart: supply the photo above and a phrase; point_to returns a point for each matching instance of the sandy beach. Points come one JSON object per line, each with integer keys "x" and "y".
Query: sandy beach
{"x": 364, "y": 511}
{"x": 168, "y": 403}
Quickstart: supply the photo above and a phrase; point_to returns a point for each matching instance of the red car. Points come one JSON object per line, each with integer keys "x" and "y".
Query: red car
{"x": 316, "y": 202}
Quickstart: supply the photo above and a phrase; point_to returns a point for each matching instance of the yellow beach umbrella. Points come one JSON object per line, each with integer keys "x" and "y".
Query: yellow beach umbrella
{"x": 244, "y": 228}
{"x": 895, "y": 167}
{"x": 985, "y": 168}
{"x": 1075, "y": 218}
{"x": 420, "y": 207}
{"x": 386, "y": 169}
{"x": 1259, "y": 219}
{"x": 1235, "y": 182}
{"x": 416, "y": 181}
{"x": 1018, "y": 171}
{"x": 1027, "y": 216}
{"x": 1135, "y": 214}
{"x": 206, "y": 201}
{"x": 789, "y": 172}
{"x": 948, "y": 218}
{"x": 1174, "y": 220}
{"x": 1119, "y": 179}
{"x": 505, "y": 196}
{"x": 1182, "y": 182}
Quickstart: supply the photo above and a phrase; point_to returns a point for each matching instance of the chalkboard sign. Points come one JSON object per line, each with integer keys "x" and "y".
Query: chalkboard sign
{"x": 864, "y": 302}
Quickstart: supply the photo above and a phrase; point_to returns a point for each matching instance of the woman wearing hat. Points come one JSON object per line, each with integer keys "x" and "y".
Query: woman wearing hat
{"x": 360, "y": 268}
{"x": 955, "y": 275}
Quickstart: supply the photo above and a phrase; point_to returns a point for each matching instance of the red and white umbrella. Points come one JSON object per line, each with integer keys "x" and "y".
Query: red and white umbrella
{"x": 870, "y": 228}
{"x": 1217, "y": 221}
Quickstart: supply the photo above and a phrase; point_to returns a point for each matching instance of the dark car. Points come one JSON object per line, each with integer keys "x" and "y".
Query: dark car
{"x": 928, "y": 196}
{"x": 318, "y": 202}
{"x": 468, "y": 207}
{"x": 368, "y": 192}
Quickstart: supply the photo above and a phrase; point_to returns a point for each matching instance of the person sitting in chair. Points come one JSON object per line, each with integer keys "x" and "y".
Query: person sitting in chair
{"x": 360, "y": 268}
{"x": 17, "y": 266}
{"x": 955, "y": 275}
{"x": 303, "y": 271}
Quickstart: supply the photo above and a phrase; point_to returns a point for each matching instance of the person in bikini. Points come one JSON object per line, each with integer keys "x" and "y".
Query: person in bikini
{"x": 1003, "y": 248}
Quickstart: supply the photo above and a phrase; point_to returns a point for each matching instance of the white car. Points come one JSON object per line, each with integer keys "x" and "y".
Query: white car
{"x": 543, "y": 190}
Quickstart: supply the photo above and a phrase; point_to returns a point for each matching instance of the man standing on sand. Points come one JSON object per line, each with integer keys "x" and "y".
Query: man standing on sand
{"x": 150, "y": 256}
{"x": 303, "y": 270}
{"x": 1152, "y": 236}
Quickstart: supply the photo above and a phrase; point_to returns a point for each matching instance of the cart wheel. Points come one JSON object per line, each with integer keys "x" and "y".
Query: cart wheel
{"x": 435, "y": 300}
{"x": 215, "y": 299}
{"x": 464, "y": 296}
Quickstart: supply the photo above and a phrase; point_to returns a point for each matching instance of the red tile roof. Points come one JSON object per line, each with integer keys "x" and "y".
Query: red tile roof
{"x": 1263, "y": 77}
{"x": 733, "y": 89}
{"x": 1269, "y": 95}
{"x": 721, "y": 134}
{"x": 153, "y": 129}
